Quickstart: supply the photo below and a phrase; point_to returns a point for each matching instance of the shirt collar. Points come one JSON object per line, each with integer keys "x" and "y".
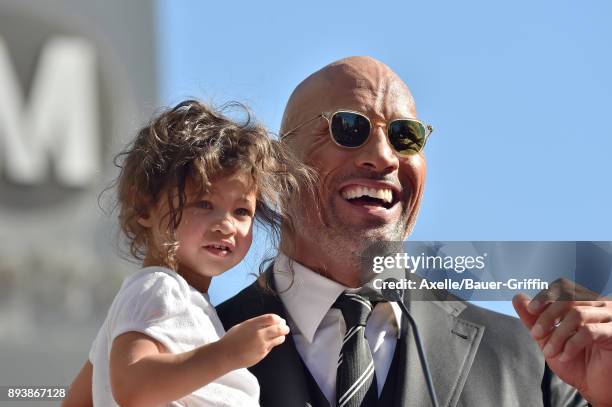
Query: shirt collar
{"x": 308, "y": 296}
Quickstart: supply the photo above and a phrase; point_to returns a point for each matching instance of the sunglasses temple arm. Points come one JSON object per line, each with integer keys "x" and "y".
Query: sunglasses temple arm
{"x": 301, "y": 125}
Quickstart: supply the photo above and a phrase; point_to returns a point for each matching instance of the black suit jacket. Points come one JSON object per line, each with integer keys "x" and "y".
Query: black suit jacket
{"x": 477, "y": 357}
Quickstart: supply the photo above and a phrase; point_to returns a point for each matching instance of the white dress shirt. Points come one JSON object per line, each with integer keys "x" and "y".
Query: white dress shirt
{"x": 318, "y": 329}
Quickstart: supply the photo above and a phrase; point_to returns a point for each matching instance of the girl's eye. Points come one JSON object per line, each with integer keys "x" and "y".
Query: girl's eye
{"x": 242, "y": 212}
{"x": 204, "y": 205}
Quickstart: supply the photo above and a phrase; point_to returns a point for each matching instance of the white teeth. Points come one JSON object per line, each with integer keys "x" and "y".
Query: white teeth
{"x": 217, "y": 246}
{"x": 384, "y": 194}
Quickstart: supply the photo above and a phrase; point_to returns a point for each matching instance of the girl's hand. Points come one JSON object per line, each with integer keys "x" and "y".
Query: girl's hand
{"x": 249, "y": 342}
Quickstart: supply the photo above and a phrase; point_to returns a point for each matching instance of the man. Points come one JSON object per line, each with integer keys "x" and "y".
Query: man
{"x": 354, "y": 121}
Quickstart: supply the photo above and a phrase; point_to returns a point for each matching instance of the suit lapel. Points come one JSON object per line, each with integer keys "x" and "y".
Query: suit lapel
{"x": 281, "y": 376}
{"x": 450, "y": 345}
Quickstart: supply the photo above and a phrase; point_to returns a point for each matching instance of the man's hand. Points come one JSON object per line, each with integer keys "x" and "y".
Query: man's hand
{"x": 573, "y": 327}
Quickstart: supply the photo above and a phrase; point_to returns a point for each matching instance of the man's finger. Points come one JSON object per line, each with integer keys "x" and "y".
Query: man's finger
{"x": 561, "y": 290}
{"x": 520, "y": 303}
{"x": 586, "y": 335}
{"x": 571, "y": 323}
{"x": 545, "y": 297}
{"x": 549, "y": 318}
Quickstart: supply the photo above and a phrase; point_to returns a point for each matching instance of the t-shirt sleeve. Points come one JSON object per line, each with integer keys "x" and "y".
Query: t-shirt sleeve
{"x": 155, "y": 304}
{"x": 92, "y": 350}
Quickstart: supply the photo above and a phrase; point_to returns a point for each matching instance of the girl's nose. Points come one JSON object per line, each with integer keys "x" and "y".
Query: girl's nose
{"x": 225, "y": 225}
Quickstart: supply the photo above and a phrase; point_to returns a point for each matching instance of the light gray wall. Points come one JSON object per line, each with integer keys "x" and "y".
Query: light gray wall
{"x": 59, "y": 263}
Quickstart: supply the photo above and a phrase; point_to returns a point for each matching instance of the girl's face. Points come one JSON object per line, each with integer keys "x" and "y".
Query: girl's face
{"x": 215, "y": 232}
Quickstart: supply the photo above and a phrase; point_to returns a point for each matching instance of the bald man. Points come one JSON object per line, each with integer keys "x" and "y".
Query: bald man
{"x": 354, "y": 121}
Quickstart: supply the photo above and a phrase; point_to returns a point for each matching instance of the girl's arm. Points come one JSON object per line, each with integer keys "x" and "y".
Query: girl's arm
{"x": 79, "y": 393}
{"x": 144, "y": 374}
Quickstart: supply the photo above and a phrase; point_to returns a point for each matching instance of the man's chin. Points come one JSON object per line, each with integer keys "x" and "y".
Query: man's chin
{"x": 363, "y": 235}
{"x": 370, "y": 228}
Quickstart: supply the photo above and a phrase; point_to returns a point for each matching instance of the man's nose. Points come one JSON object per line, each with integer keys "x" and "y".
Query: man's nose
{"x": 377, "y": 154}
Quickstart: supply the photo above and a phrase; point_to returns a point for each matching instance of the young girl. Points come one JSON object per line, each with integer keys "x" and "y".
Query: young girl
{"x": 190, "y": 186}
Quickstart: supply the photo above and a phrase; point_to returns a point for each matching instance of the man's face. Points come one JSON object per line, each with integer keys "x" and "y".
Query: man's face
{"x": 353, "y": 179}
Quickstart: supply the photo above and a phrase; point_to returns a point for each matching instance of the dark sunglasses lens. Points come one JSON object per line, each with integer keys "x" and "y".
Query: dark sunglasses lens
{"x": 350, "y": 129}
{"x": 407, "y": 136}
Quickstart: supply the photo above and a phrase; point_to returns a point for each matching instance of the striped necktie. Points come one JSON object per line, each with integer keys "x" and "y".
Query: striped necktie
{"x": 355, "y": 378}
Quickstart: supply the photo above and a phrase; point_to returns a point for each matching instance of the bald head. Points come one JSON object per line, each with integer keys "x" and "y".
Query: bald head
{"x": 335, "y": 226}
{"x": 360, "y": 83}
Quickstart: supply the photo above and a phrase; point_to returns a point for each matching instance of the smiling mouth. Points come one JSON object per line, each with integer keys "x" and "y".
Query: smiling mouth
{"x": 371, "y": 197}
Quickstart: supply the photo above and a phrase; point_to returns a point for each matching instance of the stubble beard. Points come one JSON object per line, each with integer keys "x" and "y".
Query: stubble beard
{"x": 344, "y": 244}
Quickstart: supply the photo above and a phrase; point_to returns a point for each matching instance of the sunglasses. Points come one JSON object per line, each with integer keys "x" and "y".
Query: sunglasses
{"x": 350, "y": 129}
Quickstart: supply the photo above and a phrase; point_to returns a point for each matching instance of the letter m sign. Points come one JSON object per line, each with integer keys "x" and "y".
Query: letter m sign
{"x": 58, "y": 123}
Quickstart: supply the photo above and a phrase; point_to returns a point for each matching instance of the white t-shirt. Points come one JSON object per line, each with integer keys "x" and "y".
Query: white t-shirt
{"x": 161, "y": 304}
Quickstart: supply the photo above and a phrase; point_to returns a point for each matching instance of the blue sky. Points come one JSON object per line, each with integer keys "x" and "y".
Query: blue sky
{"x": 518, "y": 92}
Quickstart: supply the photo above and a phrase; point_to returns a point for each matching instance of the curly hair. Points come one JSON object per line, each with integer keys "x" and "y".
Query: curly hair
{"x": 194, "y": 142}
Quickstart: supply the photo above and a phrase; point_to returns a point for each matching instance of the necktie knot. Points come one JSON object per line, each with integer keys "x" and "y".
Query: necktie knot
{"x": 355, "y": 309}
